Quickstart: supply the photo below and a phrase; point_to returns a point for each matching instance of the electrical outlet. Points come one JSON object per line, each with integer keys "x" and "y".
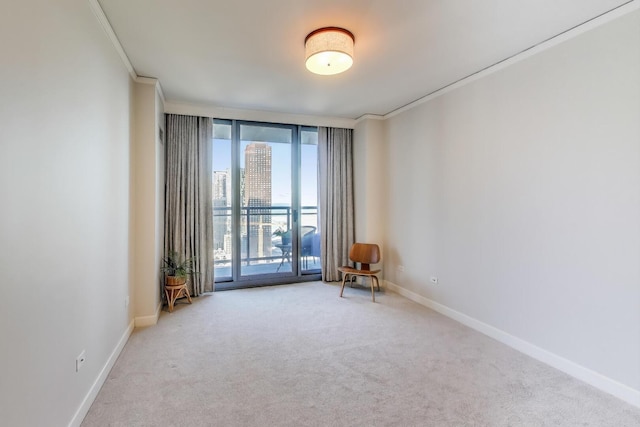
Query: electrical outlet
{"x": 401, "y": 268}
{"x": 434, "y": 280}
{"x": 80, "y": 360}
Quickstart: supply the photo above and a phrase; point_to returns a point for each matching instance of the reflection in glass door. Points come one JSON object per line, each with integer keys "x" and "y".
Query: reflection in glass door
{"x": 223, "y": 201}
{"x": 265, "y": 203}
{"x": 265, "y": 193}
{"x": 309, "y": 219}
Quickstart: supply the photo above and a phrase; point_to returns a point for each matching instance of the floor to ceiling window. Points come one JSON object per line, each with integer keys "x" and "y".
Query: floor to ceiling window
{"x": 265, "y": 208}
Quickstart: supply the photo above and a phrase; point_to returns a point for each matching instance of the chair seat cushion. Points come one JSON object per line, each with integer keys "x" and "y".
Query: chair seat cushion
{"x": 350, "y": 270}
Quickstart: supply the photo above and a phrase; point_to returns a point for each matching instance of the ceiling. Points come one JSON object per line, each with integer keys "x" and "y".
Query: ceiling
{"x": 249, "y": 54}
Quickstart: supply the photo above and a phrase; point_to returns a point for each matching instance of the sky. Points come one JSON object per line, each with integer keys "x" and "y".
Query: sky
{"x": 280, "y": 169}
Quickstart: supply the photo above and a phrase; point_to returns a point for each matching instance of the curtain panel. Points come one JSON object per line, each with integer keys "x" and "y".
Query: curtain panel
{"x": 188, "y": 204}
{"x": 335, "y": 169}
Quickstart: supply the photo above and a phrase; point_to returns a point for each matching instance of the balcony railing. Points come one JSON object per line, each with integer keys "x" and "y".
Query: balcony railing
{"x": 258, "y": 245}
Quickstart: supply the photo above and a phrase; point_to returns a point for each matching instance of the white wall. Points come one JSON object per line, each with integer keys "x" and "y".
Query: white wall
{"x": 159, "y": 190}
{"x": 368, "y": 148}
{"x": 148, "y": 201}
{"x": 65, "y": 118}
{"x": 521, "y": 192}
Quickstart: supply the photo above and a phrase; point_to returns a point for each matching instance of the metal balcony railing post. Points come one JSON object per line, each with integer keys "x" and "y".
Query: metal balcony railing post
{"x": 288, "y": 218}
{"x": 248, "y": 247}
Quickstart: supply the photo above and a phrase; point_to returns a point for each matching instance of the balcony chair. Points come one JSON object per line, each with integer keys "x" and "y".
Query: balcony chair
{"x": 364, "y": 254}
{"x": 310, "y": 245}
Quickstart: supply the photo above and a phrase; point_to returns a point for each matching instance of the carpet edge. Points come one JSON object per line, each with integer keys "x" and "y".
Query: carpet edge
{"x": 91, "y": 395}
{"x": 597, "y": 380}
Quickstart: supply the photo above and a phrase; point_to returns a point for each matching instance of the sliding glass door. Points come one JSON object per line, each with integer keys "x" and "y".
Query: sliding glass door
{"x": 265, "y": 199}
{"x": 223, "y": 200}
{"x": 265, "y": 203}
{"x": 309, "y": 219}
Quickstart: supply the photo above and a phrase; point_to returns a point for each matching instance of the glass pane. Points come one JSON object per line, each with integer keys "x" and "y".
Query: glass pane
{"x": 309, "y": 220}
{"x": 265, "y": 194}
{"x": 222, "y": 200}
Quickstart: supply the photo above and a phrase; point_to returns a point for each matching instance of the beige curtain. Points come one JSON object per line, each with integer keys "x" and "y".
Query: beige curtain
{"x": 336, "y": 199}
{"x": 188, "y": 205}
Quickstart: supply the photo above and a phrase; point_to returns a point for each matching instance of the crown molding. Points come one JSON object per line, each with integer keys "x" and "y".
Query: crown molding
{"x": 190, "y": 109}
{"x": 146, "y": 80}
{"x": 579, "y": 29}
{"x": 369, "y": 117}
{"x": 151, "y": 81}
{"x": 257, "y": 115}
{"x": 106, "y": 26}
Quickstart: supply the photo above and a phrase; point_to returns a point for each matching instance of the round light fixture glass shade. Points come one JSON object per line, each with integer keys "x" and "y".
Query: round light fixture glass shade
{"x": 329, "y": 51}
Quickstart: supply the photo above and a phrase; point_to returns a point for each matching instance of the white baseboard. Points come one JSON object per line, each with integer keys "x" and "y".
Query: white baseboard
{"x": 593, "y": 378}
{"x": 97, "y": 385}
{"x": 149, "y": 320}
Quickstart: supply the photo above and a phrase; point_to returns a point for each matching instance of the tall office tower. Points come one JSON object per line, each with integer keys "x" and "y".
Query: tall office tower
{"x": 242, "y": 185}
{"x": 257, "y": 193}
{"x": 221, "y": 212}
{"x": 220, "y": 187}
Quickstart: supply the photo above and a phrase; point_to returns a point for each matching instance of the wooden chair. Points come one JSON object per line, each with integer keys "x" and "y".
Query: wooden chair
{"x": 364, "y": 254}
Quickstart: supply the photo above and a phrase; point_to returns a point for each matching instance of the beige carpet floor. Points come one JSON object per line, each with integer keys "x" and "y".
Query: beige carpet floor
{"x": 298, "y": 355}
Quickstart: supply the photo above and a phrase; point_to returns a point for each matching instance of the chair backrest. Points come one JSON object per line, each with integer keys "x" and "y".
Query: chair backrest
{"x": 307, "y": 229}
{"x": 365, "y": 254}
{"x": 310, "y": 242}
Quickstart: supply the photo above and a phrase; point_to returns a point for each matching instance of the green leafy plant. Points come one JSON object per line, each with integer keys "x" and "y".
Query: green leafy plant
{"x": 280, "y": 232}
{"x": 175, "y": 265}
{"x": 285, "y": 235}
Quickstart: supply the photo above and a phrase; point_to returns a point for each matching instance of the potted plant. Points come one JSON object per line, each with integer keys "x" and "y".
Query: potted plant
{"x": 177, "y": 269}
{"x": 285, "y": 235}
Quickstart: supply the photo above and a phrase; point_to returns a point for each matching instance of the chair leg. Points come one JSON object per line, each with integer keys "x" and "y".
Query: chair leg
{"x": 373, "y": 295}
{"x": 377, "y": 282}
{"x": 344, "y": 278}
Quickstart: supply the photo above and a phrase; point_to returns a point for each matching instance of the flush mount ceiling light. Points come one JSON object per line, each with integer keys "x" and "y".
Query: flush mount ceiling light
{"x": 329, "y": 50}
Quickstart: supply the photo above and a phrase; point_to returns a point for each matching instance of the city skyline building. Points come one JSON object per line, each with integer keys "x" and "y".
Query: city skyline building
{"x": 260, "y": 183}
{"x": 222, "y": 218}
{"x": 255, "y": 192}
{"x": 258, "y": 193}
